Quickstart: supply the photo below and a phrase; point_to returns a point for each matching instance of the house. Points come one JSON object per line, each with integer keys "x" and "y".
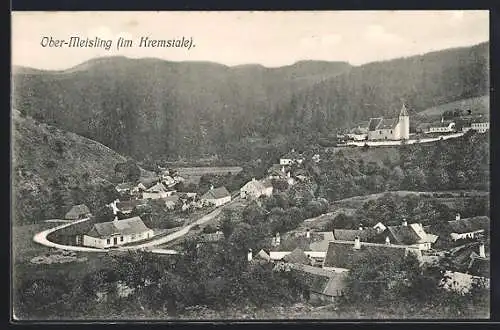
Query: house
{"x": 480, "y": 125}
{"x": 444, "y": 126}
{"x": 292, "y": 157}
{"x": 297, "y": 256}
{"x": 365, "y": 234}
{"x": 80, "y": 211}
{"x": 409, "y": 234}
{"x": 390, "y": 129}
{"x": 168, "y": 181}
{"x": 359, "y": 132}
{"x": 126, "y": 207}
{"x": 124, "y": 187}
{"x": 323, "y": 286}
{"x": 211, "y": 237}
{"x": 157, "y": 191}
{"x": 468, "y": 227}
{"x": 342, "y": 255}
{"x": 469, "y": 267}
{"x": 117, "y": 232}
{"x": 380, "y": 227}
{"x": 217, "y": 196}
{"x": 256, "y": 188}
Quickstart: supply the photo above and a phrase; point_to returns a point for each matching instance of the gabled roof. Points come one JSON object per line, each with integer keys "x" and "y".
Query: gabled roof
{"x": 350, "y": 234}
{"x": 404, "y": 235}
{"x": 216, "y": 193}
{"x": 341, "y": 254}
{"x": 388, "y": 123}
{"x": 263, "y": 255}
{"x": 158, "y": 187}
{"x": 121, "y": 227}
{"x": 129, "y": 205}
{"x": 374, "y": 122}
{"x": 468, "y": 225}
{"x": 297, "y": 256}
{"x": 253, "y": 184}
{"x": 78, "y": 210}
{"x": 319, "y": 280}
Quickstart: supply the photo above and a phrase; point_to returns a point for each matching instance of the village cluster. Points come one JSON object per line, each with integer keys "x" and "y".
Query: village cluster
{"x": 324, "y": 258}
{"x": 394, "y": 129}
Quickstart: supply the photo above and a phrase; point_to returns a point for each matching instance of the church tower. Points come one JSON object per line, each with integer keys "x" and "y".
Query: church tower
{"x": 404, "y": 123}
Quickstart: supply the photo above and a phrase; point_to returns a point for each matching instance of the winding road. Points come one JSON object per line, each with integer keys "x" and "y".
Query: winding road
{"x": 41, "y": 237}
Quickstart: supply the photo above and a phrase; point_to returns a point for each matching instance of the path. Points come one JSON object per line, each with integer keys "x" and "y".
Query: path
{"x": 41, "y": 237}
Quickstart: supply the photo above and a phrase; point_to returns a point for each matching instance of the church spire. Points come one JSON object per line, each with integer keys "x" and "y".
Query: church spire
{"x": 404, "y": 111}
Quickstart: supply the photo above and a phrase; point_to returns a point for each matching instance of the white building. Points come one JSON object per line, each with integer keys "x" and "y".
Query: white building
{"x": 390, "y": 129}
{"x": 117, "y": 232}
{"x": 256, "y": 188}
{"x": 444, "y": 126}
{"x": 217, "y": 196}
{"x": 481, "y": 127}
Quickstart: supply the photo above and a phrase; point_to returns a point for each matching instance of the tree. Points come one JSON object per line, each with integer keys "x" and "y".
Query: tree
{"x": 104, "y": 214}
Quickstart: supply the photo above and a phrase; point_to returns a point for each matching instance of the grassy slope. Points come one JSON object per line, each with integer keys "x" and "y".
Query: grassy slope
{"x": 478, "y": 105}
{"x": 42, "y": 154}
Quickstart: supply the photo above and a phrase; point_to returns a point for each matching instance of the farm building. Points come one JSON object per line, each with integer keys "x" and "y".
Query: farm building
{"x": 409, "y": 234}
{"x": 117, "y": 232}
{"x": 80, "y": 211}
{"x": 444, "y": 126}
{"x": 256, "y": 188}
{"x": 322, "y": 285}
{"x": 468, "y": 227}
{"x": 341, "y": 255}
{"x": 217, "y": 196}
{"x": 157, "y": 191}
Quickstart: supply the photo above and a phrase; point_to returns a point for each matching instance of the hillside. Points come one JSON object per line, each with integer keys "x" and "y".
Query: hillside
{"x": 171, "y": 110}
{"x": 477, "y": 105}
{"x": 53, "y": 169}
{"x": 161, "y": 108}
{"x": 378, "y": 89}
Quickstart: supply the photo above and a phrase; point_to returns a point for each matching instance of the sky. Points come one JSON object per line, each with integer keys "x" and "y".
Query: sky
{"x": 233, "y": 38}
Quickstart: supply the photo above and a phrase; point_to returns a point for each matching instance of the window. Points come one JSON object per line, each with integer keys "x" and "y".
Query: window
{"x": 121, "y": 239}
{"x": 391, "y": 131}
{"x": 379, "y": 132}
{"x": 108, "y": 241}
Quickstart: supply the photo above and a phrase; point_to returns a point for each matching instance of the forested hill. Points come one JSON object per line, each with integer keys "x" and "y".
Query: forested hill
{"x": 142, "y": 107}
{"x": 379, "y": 88}
{"x": 52, "y": 170}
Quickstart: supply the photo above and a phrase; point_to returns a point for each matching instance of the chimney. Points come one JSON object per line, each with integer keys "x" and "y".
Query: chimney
{"x": 357, "y": 243}
{"x": 360, "y": 227}
{"x": 387, "y": 240}
{"x": 278, "y": 239}
{"x": 211, "y": 187}
{"x": 442, "y": 119}
{"x": 283, "y": 169}
{"x": 457, "y": 216}
{"x": 253, "y": 179}
{"x": 288, "y": 174}
{"x": 308, "y": 233}
{"x": 249, "y": 256}
{"x": 482, "y": 254}
{"x": 405, "y": 223}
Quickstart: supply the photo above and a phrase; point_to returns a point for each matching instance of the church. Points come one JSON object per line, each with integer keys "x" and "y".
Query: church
{"x": 390, "y": 129}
